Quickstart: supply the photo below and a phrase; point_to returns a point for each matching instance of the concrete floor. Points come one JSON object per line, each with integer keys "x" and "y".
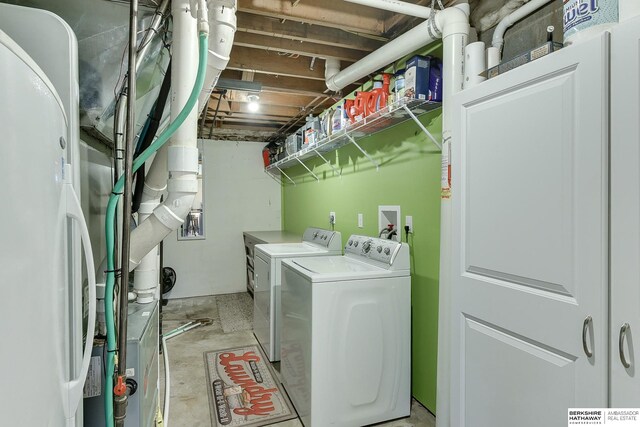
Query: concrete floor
{"x": 229, "y": 325}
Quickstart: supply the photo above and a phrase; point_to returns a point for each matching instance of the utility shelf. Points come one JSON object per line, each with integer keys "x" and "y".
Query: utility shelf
{"x": 398, "y": 112}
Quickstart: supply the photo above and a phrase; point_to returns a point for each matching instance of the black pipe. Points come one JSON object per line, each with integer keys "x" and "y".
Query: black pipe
{"x": 154, "y": 124}
{"x": 120, "y": 400}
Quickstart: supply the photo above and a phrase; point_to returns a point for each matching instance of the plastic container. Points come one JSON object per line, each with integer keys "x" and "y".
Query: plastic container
{"x": 398, "y": 86}
{"x": 583, "y": 19}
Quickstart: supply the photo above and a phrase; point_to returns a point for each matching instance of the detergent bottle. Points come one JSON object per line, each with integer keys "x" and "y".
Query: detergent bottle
{"x": 378, "y": 97}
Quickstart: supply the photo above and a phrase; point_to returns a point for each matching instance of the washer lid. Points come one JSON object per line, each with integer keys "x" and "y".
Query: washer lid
{"x": 288, "y": 250}
{"x": 338, "y": 268}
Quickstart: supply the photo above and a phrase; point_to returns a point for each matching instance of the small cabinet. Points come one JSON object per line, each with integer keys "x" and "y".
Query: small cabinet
{"x": 253, "y": 238}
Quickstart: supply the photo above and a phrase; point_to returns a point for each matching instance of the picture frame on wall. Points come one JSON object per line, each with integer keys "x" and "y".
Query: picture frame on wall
{"x": 193, "y": 226}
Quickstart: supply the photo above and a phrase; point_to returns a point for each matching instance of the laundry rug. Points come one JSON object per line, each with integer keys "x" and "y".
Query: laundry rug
{"x": 243, "y": 390}
{"x": 235, "y": 311}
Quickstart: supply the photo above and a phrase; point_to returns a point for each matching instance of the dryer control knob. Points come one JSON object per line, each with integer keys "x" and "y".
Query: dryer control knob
{"x": 379, "y": 249}
{"x": 366, "y": 247}
{"x": 387, "y": 251}
{"x": 350, "y": 242}
{"x": 356, "y": 244}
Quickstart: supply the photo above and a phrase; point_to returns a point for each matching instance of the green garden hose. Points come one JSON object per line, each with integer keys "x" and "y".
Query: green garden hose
{"x": 110, "y": 219}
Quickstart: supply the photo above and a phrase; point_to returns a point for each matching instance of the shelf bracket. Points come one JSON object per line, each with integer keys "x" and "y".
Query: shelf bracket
{"x": 353, "y": 141}
{"x": 421, "y": 126}
{"x": 308, "y": 170}
{"x": 282, "y": 172}
{"x": 327, "y": 162}
{"x": 273, "y": 177}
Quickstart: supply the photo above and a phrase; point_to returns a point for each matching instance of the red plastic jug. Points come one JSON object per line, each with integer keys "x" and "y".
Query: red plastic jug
{"x": 378, "y": 97}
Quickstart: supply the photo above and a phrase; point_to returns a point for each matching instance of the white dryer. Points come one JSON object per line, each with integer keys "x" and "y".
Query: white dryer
{"x": 346, "y": 334}
{"x": 266, "y": 297}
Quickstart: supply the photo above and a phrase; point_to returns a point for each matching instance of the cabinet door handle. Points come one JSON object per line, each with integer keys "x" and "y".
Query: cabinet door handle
{"x": 623, "y": 333}
{"x": 585, "y": 330}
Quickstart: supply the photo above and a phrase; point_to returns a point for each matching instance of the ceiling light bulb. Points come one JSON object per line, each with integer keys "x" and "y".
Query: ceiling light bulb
{"x": 253, "y": 106}
{"x": 253, "y": 103}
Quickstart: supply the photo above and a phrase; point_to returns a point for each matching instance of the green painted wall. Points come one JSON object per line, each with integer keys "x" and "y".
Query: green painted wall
{"x": 409, "y": 176}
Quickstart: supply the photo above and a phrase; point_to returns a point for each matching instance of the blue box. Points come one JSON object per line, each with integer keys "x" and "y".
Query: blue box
{"x": 416, "y": 77}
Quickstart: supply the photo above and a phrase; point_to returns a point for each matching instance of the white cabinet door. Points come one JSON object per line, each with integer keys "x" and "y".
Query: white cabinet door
{"x": 530, "y": 242}
{"x": 625, "y": 214}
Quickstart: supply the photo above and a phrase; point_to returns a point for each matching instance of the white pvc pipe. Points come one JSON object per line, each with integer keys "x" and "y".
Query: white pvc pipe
{"x": 515, "y": 16}
{"x": 408, "y": 42}
{"x": 453, "y": 46}
{"x": 167, "y": 384}
{"x": 146, "y": 273}
{"x": 397, "y": 7}
{"x": 493, "y": 57}
{"x": 223, "y": 28}
{"x": 474, "y": 64}
{"x": 181, "y": 154}
{"x": 453, "y": 17}
{"x": 183, "y": 184}
{"x": 331, "y": 67}
{"x": 453, "y": 23}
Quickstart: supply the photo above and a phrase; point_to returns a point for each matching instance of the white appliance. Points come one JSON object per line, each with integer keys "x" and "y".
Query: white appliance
{"x": 266, "y": 296}
{"x": 41, "y": 309}
{"x": 346, "y": 334}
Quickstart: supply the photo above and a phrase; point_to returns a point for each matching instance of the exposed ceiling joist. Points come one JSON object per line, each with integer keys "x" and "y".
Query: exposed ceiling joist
{"x": 304, "y": 32}
{"x": 263, "y": 61}
{"x": 328, "y": 13}
{"x": 243, "y": 107}
{"x": 255, "y": 134}
{"x": 269, "y": 98}
{"x": 280, "y": 44}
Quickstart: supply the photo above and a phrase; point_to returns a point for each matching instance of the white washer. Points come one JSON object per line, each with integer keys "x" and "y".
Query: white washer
{"x": 346, "y": 334}
{"x": 266, "y": 296}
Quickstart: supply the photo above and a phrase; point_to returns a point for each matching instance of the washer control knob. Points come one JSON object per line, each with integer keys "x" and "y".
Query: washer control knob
{"x": 387, "y": 251}
{"x": 366, "y": 247}
{"x": 356, "y": 244}
{"x": 350, "y": 242}
{"x": 379, "y": 249}
{"x": 315, "y": 235}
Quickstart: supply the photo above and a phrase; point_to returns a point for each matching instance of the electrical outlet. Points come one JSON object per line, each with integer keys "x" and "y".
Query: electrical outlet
{"x": 332, "y": 218}
{"x": 408, "y": 221}
{"x": 360, "y": 221}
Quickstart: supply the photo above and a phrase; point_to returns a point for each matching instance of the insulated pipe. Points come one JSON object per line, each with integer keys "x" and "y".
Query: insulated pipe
{"x": 223, "y": 28}
{"x": 145, "y": 43}
{"x": 401, "y": 7}
{"x": 512, "y": 18}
